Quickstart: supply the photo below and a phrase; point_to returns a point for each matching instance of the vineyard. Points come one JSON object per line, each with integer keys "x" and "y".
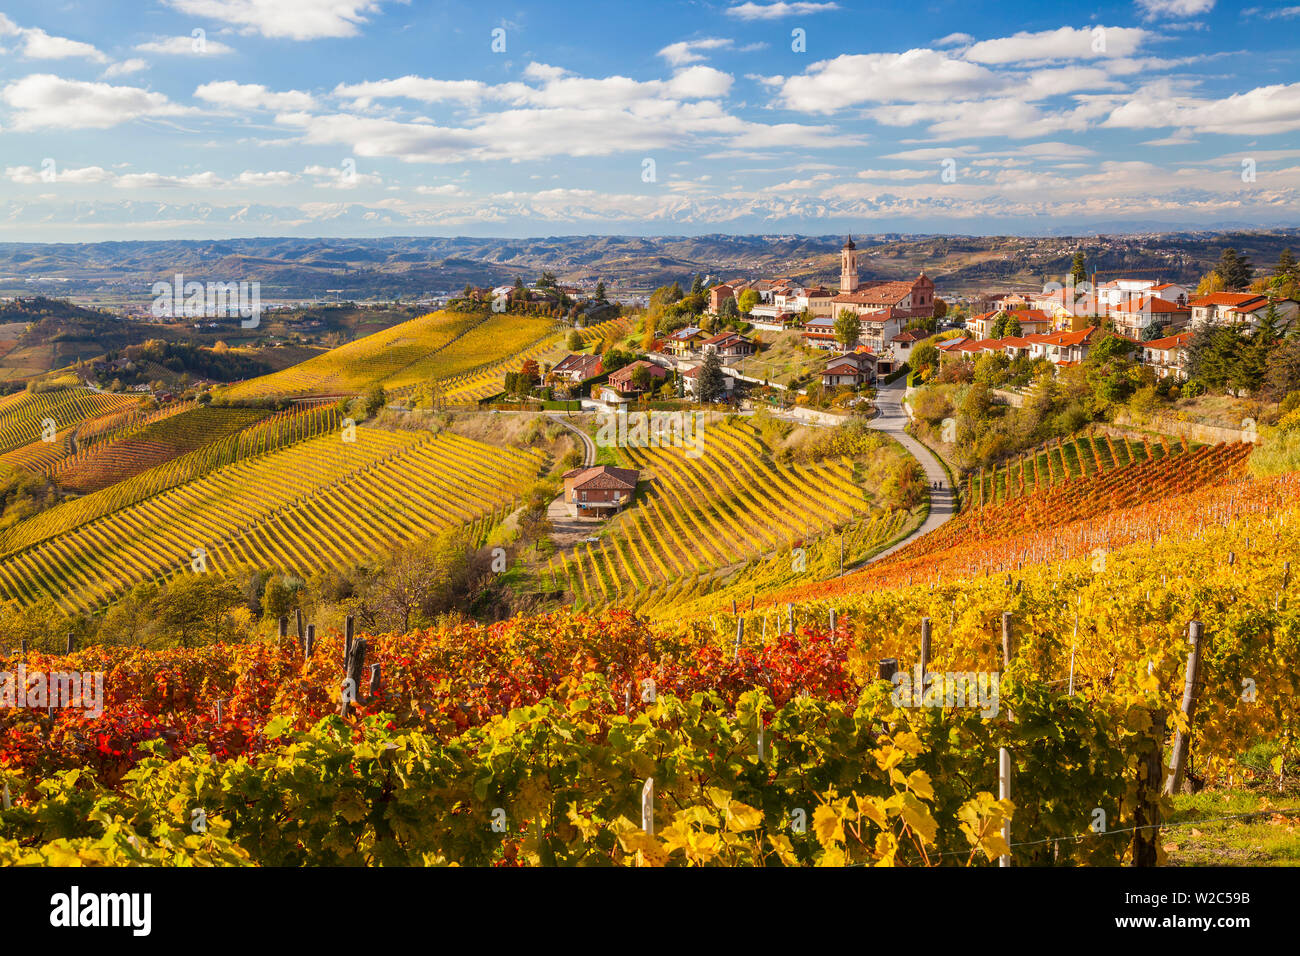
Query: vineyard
{"x": 439, "y": 346}
{"x": 266, "y": 505}
{"x": 1080, "y": 456}
{"x": 154, "y": 443}
{"x": 278, "y": 432}
{"x": 560, "y": 719}
{"x": 731, "y": 504}
{"x": 23, "y": 415}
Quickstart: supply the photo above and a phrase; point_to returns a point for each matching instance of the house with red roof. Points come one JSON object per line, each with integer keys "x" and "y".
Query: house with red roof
{"x": 577, "y": 367}
{"x": 1134, "y": 317}
{"x": 852, "y": 369}
{"x": 599, "y": 490}
{"x": 730, "y": 346}
{"x": 1167, "y": 357}
{"x": 1244, "y": 309}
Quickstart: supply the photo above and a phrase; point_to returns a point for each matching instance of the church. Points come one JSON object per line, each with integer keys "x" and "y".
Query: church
{"x": 885, "y": 307}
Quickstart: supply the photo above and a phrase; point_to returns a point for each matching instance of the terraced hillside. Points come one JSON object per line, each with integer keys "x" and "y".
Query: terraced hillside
{"x": 732, "y": 504}
{"x": 278, "y": 432}
{"x": 156, "y": 442}
{"x": 24, "y": 415}
{"x": 1058, "y": 461}
{"x": 302, "y": 509}
{"x": 435, "y": 346}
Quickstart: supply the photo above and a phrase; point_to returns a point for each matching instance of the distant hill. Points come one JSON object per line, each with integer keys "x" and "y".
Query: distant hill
{"x": 409, "y": 266}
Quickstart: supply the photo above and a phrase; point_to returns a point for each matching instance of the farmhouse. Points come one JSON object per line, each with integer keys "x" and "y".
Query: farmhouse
{"x": 852, "y": 369}
{"x": 577, "y": 368}
{"x": 625, "y": 378}
{"x": 729, "y": 346}
{"x": 599, "y": 490}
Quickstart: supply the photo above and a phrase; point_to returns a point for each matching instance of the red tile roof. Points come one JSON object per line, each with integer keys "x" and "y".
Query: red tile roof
{"x": 602, "y": 476}
{"x": 1169, "y": 341}
{"x": 1153, "y": 304}
{"x": 1225, "y": 298}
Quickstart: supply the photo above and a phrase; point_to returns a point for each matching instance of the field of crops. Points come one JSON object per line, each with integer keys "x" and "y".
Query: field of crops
{"x": 280, "y": 431}
{"x": 285, "y": 505}
{"x": 731, "y": 504}
{"x": 1139, "y": 502}
{"x": 555, "y": 723}
{"x": 23, "y": 415}
{"x": 156, "y": 442}
{"x": 441, "y": 345}
{"x": 1079, "y": 456}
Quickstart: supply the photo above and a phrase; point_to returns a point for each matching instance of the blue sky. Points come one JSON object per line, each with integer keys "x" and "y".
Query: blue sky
{"x": 217, "y": 118}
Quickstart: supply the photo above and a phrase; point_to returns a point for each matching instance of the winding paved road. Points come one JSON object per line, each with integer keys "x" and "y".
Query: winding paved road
{"x": 891, "y": 418}
{"x": 566, "y": 529}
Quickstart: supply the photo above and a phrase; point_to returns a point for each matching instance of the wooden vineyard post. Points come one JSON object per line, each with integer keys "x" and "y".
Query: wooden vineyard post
{"x": 72, "y": 642}
{"x": 789, "y": 613}
{"x": 841, "y": 555}
{"x": 376, "y": 679}
{"x": 740, "y": 635}
{"x": 1183, "y": 739}
{"x": 833, "y": 623}
{"x": 352, "y": 675}
{"x": 751, "y": 604}
{"x": 925, "y": 652}
{"x": 733, "y": 607}
{"x": 888, "y": 668}
{"x": 309, "y": 643}
{"x": 1004, "y": 754}
{"x": 284, "y": 627}
{"x": 1146, "y": 814}
{"x": 349, "y": 631}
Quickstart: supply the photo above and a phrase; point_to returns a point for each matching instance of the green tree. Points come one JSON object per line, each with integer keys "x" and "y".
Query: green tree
{"x": 376, "y": 399}
{"x": 748, "y": 299}
{"x": 1079, "y": 269}
{"x": 697, "y": 286}
{"x": 711, "y": 384}
{"x": 848, "y": 328}
{"x": 729, "y": 311}
{"x": 575, "y": 341}
{"x": 1235, "y": 270}
{"x": 600, "y": 291}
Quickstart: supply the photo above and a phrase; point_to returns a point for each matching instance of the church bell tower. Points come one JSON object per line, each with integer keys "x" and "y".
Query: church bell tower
{"x": 848, "y": 266}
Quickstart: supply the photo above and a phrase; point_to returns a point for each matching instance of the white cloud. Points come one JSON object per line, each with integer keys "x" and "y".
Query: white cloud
{"x": 27, "y": 176}
{"x": 39, "y": 45}
{"x": 1174, "y": 8}
{"x": 413, "y": 88}
{"x": 206, "y": 180}
{"x": 45, "y": 101}
{"x": 134, "y": 65}
{"x": 955, "y": 39}
{"x": 917, "y": 75}
{"x": 184, "y": 46}
{"x": 688, "y": 51}
{"x": 271, "y": 178}
{"x": 775, "y": 11}
{"x": 1067, "y": 43}
{"x": 1263, "y": 111}
{"x": 285, "y": 19}
{"x": 447, "y": 189}
{"x": 253, "y": 96}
